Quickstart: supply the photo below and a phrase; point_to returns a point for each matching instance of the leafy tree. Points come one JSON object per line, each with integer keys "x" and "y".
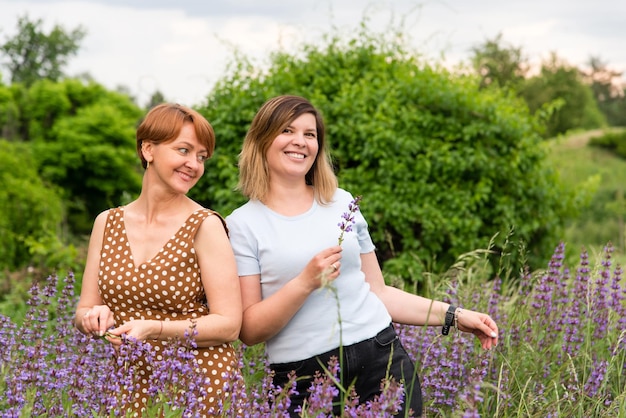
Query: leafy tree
{"x": 442, "y": 166}
{"x": 156, "y": 98}
{"x": 499, "y": 65}
{"x": 30, "y": 210}
{"x": 608, "y": 89}
{"x": 32, "y": 54}
{"x": 561, "y": 82}
{"x": 91, "y": 156}
{"x": 83, "y": 136}
{"x": 604, "y": 81}
{"x": 9, "y": 114}
{"x": 559, "y": 93}
{"x": 70, "y": 156}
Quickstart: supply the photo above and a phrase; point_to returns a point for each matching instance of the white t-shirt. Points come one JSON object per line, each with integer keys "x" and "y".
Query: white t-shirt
{"x": 279, "y": 247}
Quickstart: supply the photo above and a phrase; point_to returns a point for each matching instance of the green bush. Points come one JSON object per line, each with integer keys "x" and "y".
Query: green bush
{"x": 614, "y": 141}
{"x": 31, "y": 211}
{"x": 442, "y": 166}
{"x": 560, "y": 87}
{"x": 92, "y": 156}
{"x": 84, "y": 138}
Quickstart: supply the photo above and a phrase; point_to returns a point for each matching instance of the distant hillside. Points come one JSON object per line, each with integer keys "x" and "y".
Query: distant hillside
{"x": 602, "y": 173}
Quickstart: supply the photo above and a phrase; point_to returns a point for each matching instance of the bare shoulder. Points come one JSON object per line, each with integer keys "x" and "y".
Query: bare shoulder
{"x": 99, "y": 224}
{"x": 102, "y": 216}
{"x": 101, "y": 220}
{"x": 212, "y": 236}
{"x": 214, "y": 223}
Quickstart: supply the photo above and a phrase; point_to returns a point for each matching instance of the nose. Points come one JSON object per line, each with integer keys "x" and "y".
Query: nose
{"x": 298, "y": 139}
{"x": 193, "y": 162}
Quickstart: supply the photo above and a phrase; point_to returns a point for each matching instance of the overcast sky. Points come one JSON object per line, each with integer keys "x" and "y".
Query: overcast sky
{"x": 182, "y": 47}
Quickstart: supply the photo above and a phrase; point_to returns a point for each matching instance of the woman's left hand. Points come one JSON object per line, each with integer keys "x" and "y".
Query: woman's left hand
{"x": 479, "y": 324}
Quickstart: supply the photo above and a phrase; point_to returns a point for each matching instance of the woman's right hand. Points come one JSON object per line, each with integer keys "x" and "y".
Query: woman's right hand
{"x": 323, "y": 268}
{"x": 97, "y": 320}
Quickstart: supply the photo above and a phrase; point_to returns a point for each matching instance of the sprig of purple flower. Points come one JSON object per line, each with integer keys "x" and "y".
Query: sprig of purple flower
{"x": 348, "y": 218}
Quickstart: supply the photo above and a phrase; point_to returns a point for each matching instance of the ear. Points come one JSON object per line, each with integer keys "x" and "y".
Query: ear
{"x": 146, "y": 150}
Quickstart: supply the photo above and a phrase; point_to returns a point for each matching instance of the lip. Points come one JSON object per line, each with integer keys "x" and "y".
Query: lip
{"x": 186, "y": 176}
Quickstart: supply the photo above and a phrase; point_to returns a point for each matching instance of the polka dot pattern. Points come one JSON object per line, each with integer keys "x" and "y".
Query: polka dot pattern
{"x": 166, "y": 288}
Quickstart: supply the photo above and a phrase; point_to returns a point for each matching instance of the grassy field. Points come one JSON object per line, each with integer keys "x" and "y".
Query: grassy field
{"x": 602, "y": 174}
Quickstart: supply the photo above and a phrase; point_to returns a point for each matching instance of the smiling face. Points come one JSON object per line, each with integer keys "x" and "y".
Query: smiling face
{"x": 178, "y": 163}
{"x": 163, "y": 123}
{"x": 270, "y": 153}
{"x": 293, "y": 152}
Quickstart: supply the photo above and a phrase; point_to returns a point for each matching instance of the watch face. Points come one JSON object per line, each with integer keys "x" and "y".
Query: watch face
{"x": 450, "y": 315}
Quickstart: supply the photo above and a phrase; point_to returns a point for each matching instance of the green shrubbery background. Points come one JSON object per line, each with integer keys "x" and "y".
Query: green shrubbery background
{"x": 442, "y": 165}
{"x": 447, "y": 161}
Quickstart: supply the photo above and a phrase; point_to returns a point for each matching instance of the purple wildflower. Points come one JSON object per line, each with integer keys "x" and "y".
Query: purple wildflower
{"x": 572, "y": 338}
{"x": 322, "y": 391}
{"x": 348, "y": 218}
{"x": 596, "y": 378}
{"x": 601, "y": 296}
{"x": 385, "y": 404}
{"x": 49, "y": 368}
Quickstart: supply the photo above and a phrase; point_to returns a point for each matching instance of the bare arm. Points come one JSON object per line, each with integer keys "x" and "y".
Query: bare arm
{"x": 262, "y": 319}
{"x": 407, "y": 308}
{"x": 92, "y": 316}
{"x": 221, "y": 285}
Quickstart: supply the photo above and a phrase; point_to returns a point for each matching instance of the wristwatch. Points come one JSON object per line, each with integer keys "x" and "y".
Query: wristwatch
{"x": 449, "y": 320}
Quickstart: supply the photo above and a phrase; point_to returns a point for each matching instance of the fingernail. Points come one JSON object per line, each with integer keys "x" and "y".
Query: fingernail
{"x": 493, "y": 335}
{"x": 101, "y": 333}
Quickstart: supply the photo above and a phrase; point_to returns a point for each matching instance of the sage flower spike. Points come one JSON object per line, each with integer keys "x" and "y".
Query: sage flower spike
{"x": 348, "y": 218}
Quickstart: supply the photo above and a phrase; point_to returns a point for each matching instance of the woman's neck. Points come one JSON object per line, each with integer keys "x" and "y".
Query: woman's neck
{"x": 290, "y": 201}
{"x": 165, "y": 205}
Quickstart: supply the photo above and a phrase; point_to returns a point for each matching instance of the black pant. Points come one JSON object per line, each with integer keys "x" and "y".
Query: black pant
{"x": 367, "y": 362}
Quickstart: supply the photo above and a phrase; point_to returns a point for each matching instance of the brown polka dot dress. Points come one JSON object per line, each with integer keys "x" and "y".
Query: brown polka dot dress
{"x": 166, "y": 288}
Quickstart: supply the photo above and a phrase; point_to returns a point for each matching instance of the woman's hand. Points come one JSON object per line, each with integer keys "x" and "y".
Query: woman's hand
{"x": 97, "y": 320}
{"x": 479, "y": 324}
{"x": 138, "y": 329}
{"x": 324, "y": 267}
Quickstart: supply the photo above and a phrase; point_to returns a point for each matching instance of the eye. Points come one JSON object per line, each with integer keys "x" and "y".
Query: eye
{"x": 183, "y": 151}
{"x": 311, "y": 135}
{"x": 202, "y": 158}
{"x": 287, "y": 130}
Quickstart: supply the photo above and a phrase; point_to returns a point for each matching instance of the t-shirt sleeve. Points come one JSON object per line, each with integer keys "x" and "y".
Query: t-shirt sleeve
{"x": 244, "y": 246}
{"x": 363, "y": 234}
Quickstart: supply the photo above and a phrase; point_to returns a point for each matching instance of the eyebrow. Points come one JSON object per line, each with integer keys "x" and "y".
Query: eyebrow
{"x": 306, "y": 130}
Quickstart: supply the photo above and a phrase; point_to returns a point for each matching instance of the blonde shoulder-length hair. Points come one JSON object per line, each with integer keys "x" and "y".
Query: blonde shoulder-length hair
{"x": 268, "y": 123}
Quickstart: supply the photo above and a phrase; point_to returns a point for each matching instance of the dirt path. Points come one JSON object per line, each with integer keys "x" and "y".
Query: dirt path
{"x": 579, "y": 140}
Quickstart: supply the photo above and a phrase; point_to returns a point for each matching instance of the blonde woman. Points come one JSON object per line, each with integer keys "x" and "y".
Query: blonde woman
{"x": 285, "y": 240}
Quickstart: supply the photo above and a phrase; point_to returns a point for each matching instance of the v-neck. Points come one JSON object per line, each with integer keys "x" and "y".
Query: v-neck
{"x": 155, "y": 257}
